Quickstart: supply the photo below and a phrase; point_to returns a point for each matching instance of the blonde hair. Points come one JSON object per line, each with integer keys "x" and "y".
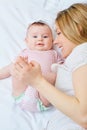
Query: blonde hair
{"x": 73, "y": 22}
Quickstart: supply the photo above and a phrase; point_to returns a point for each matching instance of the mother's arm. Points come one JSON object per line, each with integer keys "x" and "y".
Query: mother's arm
{"x": 73, "y": 106}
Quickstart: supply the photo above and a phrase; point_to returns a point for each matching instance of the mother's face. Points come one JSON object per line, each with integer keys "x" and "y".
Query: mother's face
{"x": 63, "y": 43}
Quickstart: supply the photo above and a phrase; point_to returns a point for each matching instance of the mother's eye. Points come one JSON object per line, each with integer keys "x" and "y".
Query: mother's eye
{"x": 58, "y": 33}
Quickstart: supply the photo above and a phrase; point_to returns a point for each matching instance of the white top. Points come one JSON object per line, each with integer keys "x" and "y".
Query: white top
{"x": 77, "y": 58}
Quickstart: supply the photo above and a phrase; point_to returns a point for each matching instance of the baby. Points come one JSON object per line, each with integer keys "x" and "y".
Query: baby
{"x": 39, "y": 41}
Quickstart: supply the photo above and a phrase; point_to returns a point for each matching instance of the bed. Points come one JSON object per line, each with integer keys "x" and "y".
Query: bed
{"x": 15, "y": 15}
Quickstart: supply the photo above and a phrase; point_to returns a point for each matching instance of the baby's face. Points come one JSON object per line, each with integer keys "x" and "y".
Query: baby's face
{"x": 39, "y": 38}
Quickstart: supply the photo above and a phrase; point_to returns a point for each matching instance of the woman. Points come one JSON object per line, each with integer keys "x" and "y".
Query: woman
{"x": 70, "y": 94}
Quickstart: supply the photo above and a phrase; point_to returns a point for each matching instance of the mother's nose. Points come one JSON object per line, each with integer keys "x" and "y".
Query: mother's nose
{"x": 55, "y": 41}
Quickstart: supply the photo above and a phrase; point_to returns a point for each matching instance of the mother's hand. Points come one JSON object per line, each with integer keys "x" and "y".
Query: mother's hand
{"x": 28, "y": 73}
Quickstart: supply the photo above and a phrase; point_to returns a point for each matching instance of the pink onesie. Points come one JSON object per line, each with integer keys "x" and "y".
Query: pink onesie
{"x": 30, "y": 101}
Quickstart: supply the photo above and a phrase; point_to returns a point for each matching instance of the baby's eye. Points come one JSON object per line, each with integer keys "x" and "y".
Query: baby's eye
{"x": 34, "y": 36}
{"x": 45, "y": 36}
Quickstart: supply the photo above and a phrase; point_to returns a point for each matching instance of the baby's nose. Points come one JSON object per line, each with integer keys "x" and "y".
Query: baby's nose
{"x": 40, "y": 38}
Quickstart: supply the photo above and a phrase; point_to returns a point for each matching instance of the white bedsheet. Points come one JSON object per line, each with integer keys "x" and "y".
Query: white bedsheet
{"x": 15, "y": 15}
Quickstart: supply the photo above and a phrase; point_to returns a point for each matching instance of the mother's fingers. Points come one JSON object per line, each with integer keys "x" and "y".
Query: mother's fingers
{"x": 35, "y": 64}
{"x": 22, "y": 67}
{"x": 22, "y": 62}
{"x": 17, "y": 71}
{"x": 18, "y": 66}
{"x": 14, "y": 71}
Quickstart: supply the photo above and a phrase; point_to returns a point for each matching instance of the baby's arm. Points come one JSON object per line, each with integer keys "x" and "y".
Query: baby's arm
{"x": 5, "y": 72}
{"x": 51, "y": 77}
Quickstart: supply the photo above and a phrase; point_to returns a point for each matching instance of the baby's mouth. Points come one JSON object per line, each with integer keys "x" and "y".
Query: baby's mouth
{"x": 40, "y": 44}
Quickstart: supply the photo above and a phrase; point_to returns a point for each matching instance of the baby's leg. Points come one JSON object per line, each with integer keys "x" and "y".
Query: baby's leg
{"x": 31, "y": 101}
{"x": 18, "y": 87}
{"x": 25, "y": 96}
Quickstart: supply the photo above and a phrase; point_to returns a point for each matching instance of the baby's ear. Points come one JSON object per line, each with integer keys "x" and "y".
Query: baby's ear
{"x": 25, "y": 40}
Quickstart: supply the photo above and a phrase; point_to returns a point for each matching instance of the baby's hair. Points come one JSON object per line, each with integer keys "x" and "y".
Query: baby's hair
{"x": 39, "y": 23}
